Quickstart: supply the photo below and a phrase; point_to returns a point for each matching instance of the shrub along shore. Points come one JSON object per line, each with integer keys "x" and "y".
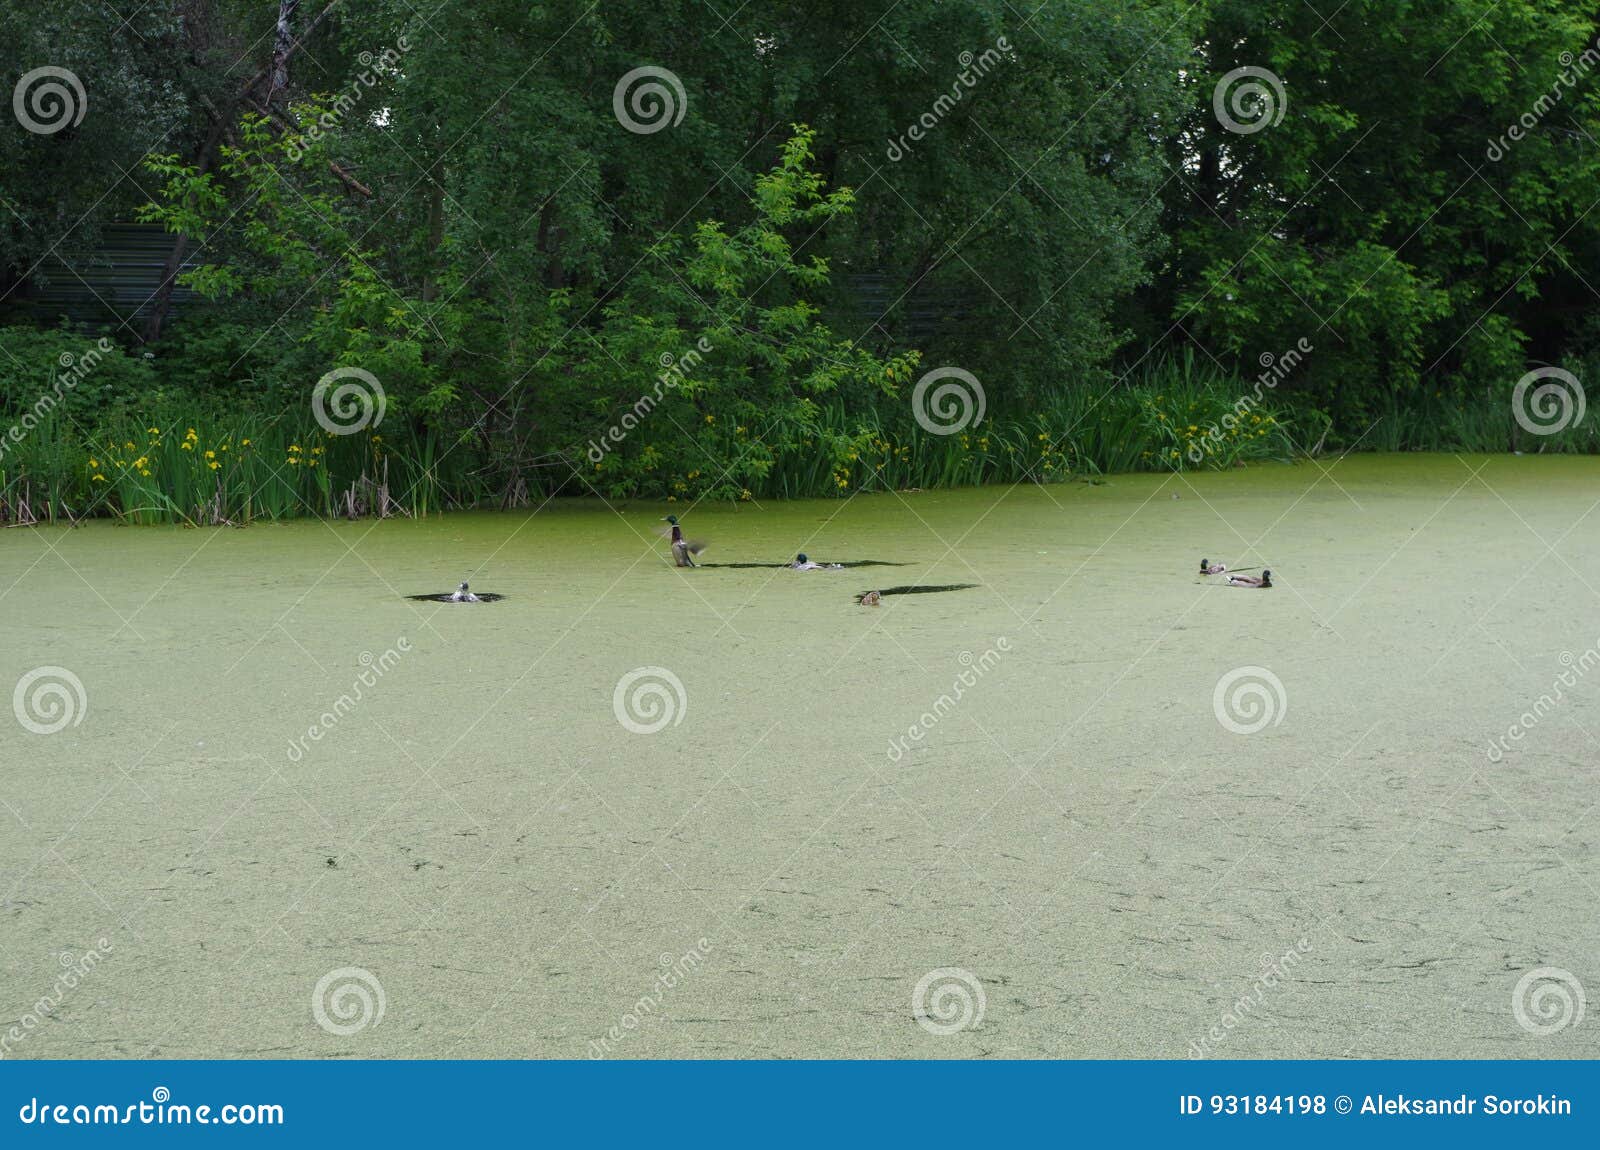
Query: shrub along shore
{"x": 94, "y": 445}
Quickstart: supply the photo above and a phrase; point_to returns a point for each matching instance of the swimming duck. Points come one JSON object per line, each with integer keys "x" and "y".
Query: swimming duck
{"x": 870, "y": 599}
{"x": 462, "y": 594}
{"x": 1209, "y": 568}
{"x": 803, "y": 562}
{"x": 1263, "y": 580}
{"x": 683, "y": 550}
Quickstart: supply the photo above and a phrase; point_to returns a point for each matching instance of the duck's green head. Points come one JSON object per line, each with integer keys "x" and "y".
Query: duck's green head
{"x": 1266, "y": 578}
{"x": 672, "y": 519}
{"x": 801, "y": 558}
{"x": 1204, "y": 563}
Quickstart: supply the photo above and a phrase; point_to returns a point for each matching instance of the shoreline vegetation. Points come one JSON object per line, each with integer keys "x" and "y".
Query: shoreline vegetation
{"x": 197, "y": 464}
{"x": 707, "y": 374}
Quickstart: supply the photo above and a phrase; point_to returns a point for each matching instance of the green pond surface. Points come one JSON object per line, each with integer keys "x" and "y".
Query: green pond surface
{"x": 1026, "y": 783}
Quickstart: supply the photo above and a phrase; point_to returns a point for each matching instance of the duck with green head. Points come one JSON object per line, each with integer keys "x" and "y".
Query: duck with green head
{"x": 683, "y": 550}
{"x": 803, "y": 562}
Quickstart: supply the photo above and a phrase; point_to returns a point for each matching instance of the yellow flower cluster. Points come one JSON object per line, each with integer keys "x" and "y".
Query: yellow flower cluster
{"x": 890, "y": 450}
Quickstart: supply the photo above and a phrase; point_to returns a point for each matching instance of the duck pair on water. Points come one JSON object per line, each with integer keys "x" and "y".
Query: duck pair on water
{"x": 684, "y": 550}
{"x": 1236, "y": 580}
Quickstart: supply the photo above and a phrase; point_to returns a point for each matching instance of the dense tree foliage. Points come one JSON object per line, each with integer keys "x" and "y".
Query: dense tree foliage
{"x": 468, "y": 202}
{"x": 1380, "y": 218}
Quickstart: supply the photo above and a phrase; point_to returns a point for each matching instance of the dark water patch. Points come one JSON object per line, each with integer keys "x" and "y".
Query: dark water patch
{"x": 449, "y": 597}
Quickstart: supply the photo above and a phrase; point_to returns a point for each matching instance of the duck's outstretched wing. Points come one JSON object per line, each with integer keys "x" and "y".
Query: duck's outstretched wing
{"x": 693, "y": 546}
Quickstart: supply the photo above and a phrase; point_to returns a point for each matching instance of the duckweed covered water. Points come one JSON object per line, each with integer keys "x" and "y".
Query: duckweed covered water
{"x": 281, "y": 768}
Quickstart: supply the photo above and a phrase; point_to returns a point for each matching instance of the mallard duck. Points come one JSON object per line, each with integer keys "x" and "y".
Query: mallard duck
{"x": 683, "y": 550}
{"x": 1209, "y": 568}
{"x": 802, "y": 562}
{"x": 870, "y": 599}
{"x": 1262, "y": 580}
{"x": 462, "y": 594}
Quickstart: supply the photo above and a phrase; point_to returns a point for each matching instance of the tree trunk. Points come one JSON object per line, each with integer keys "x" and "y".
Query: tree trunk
{"x": 430, "y": 284}
{"x": 282, "y": 48}
{"x": 282, "y": 58}
{"x": 549, "y": 243}
{"x": 161, "y": 303}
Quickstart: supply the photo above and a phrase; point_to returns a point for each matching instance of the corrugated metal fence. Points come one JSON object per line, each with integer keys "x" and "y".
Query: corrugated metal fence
{"x": 111, "y": 287}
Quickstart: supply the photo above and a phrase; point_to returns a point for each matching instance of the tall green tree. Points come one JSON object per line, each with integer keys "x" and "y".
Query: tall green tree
{"x": 1384, "y": 217}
